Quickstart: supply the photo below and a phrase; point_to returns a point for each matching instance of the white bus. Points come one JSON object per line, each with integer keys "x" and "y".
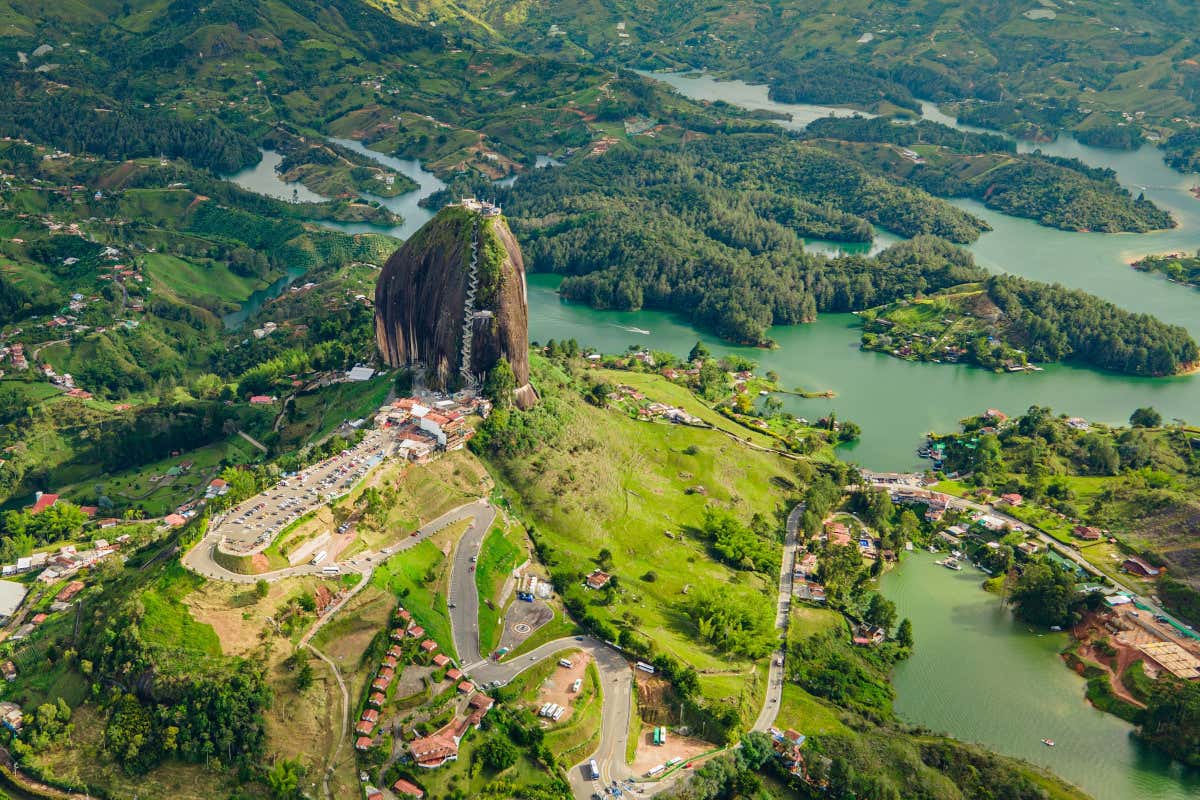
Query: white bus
{"x": 318, "y": 558}
{"x": 644, "y": 667}
{"x": 332, "y": 569}
{"x": 593, "y": 770}
{"x": 563, "y": 662}
{"x": 655, "y": 771}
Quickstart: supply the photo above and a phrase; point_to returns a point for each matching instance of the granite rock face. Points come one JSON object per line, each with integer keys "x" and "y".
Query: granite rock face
{"x": 424, "y": 306}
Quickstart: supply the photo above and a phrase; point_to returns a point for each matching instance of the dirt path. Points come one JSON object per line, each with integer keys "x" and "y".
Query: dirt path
{"x": 337, "y": 750}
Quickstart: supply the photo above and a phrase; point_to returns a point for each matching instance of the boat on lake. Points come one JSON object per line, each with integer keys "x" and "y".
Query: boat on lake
{"x": 950, "y": 563}
{"x": 1048, "y": 742}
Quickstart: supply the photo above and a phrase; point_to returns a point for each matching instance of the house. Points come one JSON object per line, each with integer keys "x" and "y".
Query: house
{"x": 453, "y": 674}
{"x": 466, "y": 687}
{"x": 397, "y": 634}
{"x": 174, "y": 520}
{"x": 1086, "y": 532}
{"x": 373, "y": 793}
{"x": 395, "y": 652}
{"x": 404, "y": 615}
{"x": 416, "y": 631}
{"x": 42, "y": 501}
{"x": 216, "y": 488}
{"x": 362, "y": 743}
{"x": 1011, "y": 499}
{"x": 441, "y": 660}
{"x": 69, "y": 591}
{"x": 481, "y": 701}
{"x": 389, "y": 661}
{"x": 12, "y": 594}
{"x": 9, "y": 670}
{"x": 837, "y": 533}
{"x": 1029, "y": 547}
{"x": 597, "y": 580}
{"x": 429, "y": 645}
{"x": 869, "y": 635}
{"x": 376, "y": 699}
{"x": 934, "y": 511}
{"x": 1138, "y": 566}
{"x": 370, "y": 715}
{"x": 261, "y": 400}
{"x": 807, "y": 565}
{"x": 407, "y": 788}
{"x": 364, "y": 728}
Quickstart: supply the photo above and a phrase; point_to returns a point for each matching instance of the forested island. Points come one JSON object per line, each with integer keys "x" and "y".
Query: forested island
{"x": 1178, "y": 267}
{"x": 1057, "y": 192}
{"x": 1012, "y": 323}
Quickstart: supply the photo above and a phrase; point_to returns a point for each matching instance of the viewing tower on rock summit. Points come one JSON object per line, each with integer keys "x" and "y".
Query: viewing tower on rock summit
{"x": 452, "y": 301}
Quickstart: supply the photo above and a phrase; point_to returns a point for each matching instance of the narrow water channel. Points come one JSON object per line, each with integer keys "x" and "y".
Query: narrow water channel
{"x": 981, "y": 676}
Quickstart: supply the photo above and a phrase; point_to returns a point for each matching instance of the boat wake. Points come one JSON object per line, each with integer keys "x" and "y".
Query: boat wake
{"x": 627, "y": 329}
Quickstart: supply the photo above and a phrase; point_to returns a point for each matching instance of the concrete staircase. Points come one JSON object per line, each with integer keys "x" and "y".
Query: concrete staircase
{"x": 469, "y": 309}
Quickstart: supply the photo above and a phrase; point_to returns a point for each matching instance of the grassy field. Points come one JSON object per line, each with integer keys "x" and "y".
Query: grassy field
{"x": 613, "y": 483}
{"x": 418, "y": 577}
{"x": 499, "y": 555}
{"x": 190, "y": 280}
{"x": 655, "y": 387}
{"x": 167, "y": 621}
{"x": 808, "y": 621}
{"x": 315, "y": 415}
{"x": 800, "y": 711}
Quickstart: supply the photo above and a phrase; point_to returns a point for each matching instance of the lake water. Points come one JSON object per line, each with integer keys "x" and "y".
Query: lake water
{"x": 264, "y": 178}
{"x": 979, "y": 675}
{"x": 897, "y": 402}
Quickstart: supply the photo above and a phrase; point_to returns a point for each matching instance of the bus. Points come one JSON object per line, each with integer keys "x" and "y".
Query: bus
{"x": 657, "y": 735}
{"x": 318, "y": 558}
{"x": 644, "y": 667}
{"x": 655, "y": 771}
{"x": 564, "y": 662}
{"x": 662, "y": 736}
{"x": 593, "y": 770}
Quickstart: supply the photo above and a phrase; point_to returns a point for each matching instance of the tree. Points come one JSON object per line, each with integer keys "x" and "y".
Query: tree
{"x": 261, "y": 588}
{"x": 500, "y": 384}
{"x": 1146, "y": 417}
{"x": 1172, "y": 719}
{"x": 904, "y": 634}
{"x": 304, "y": 675}
{"x": 284, "y": 779}
{"x": 1044, "y": 595}
{"x": 698, "y": 352}
{"x": 604, "y": 559}
{"x": 881, "y": 612}
{"x": 498, "y": 754}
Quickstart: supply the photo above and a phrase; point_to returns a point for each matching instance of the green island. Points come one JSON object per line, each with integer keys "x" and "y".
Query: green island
{"x": 1178, "y": 267}
{"x": 1008, "y": 323}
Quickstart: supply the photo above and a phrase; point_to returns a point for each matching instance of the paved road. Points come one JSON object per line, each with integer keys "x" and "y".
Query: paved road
{"x": 464, "y": 616}
{"x": 200, "y": 558}
{"x": 775, "y": 674}
{"x": 616, "y": 684}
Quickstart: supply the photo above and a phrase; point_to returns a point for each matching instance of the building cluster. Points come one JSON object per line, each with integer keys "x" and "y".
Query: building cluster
{"x": 421, "y": 427}
{"x": 442, "y": 745}
{"x": 530, "y": 586}
{"x": 1164, "y": 646}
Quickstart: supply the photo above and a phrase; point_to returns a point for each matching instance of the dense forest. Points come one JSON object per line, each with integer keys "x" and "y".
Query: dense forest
{"x": 78, "y": 121}
{"x": 1054, "y": 191}
{"x": 1055, "y": 323}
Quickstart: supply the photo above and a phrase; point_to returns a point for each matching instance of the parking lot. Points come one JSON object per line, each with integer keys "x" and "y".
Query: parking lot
{"x": 253, "y": 524}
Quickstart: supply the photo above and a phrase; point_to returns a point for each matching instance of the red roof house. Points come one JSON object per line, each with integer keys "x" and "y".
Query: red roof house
{"x": 429, "y": 645}
{"x": 362, "y": 743}
{"x": 441, "y": 660}
{"x": 408, "y": 788}
{"x": 44, "y": 501}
